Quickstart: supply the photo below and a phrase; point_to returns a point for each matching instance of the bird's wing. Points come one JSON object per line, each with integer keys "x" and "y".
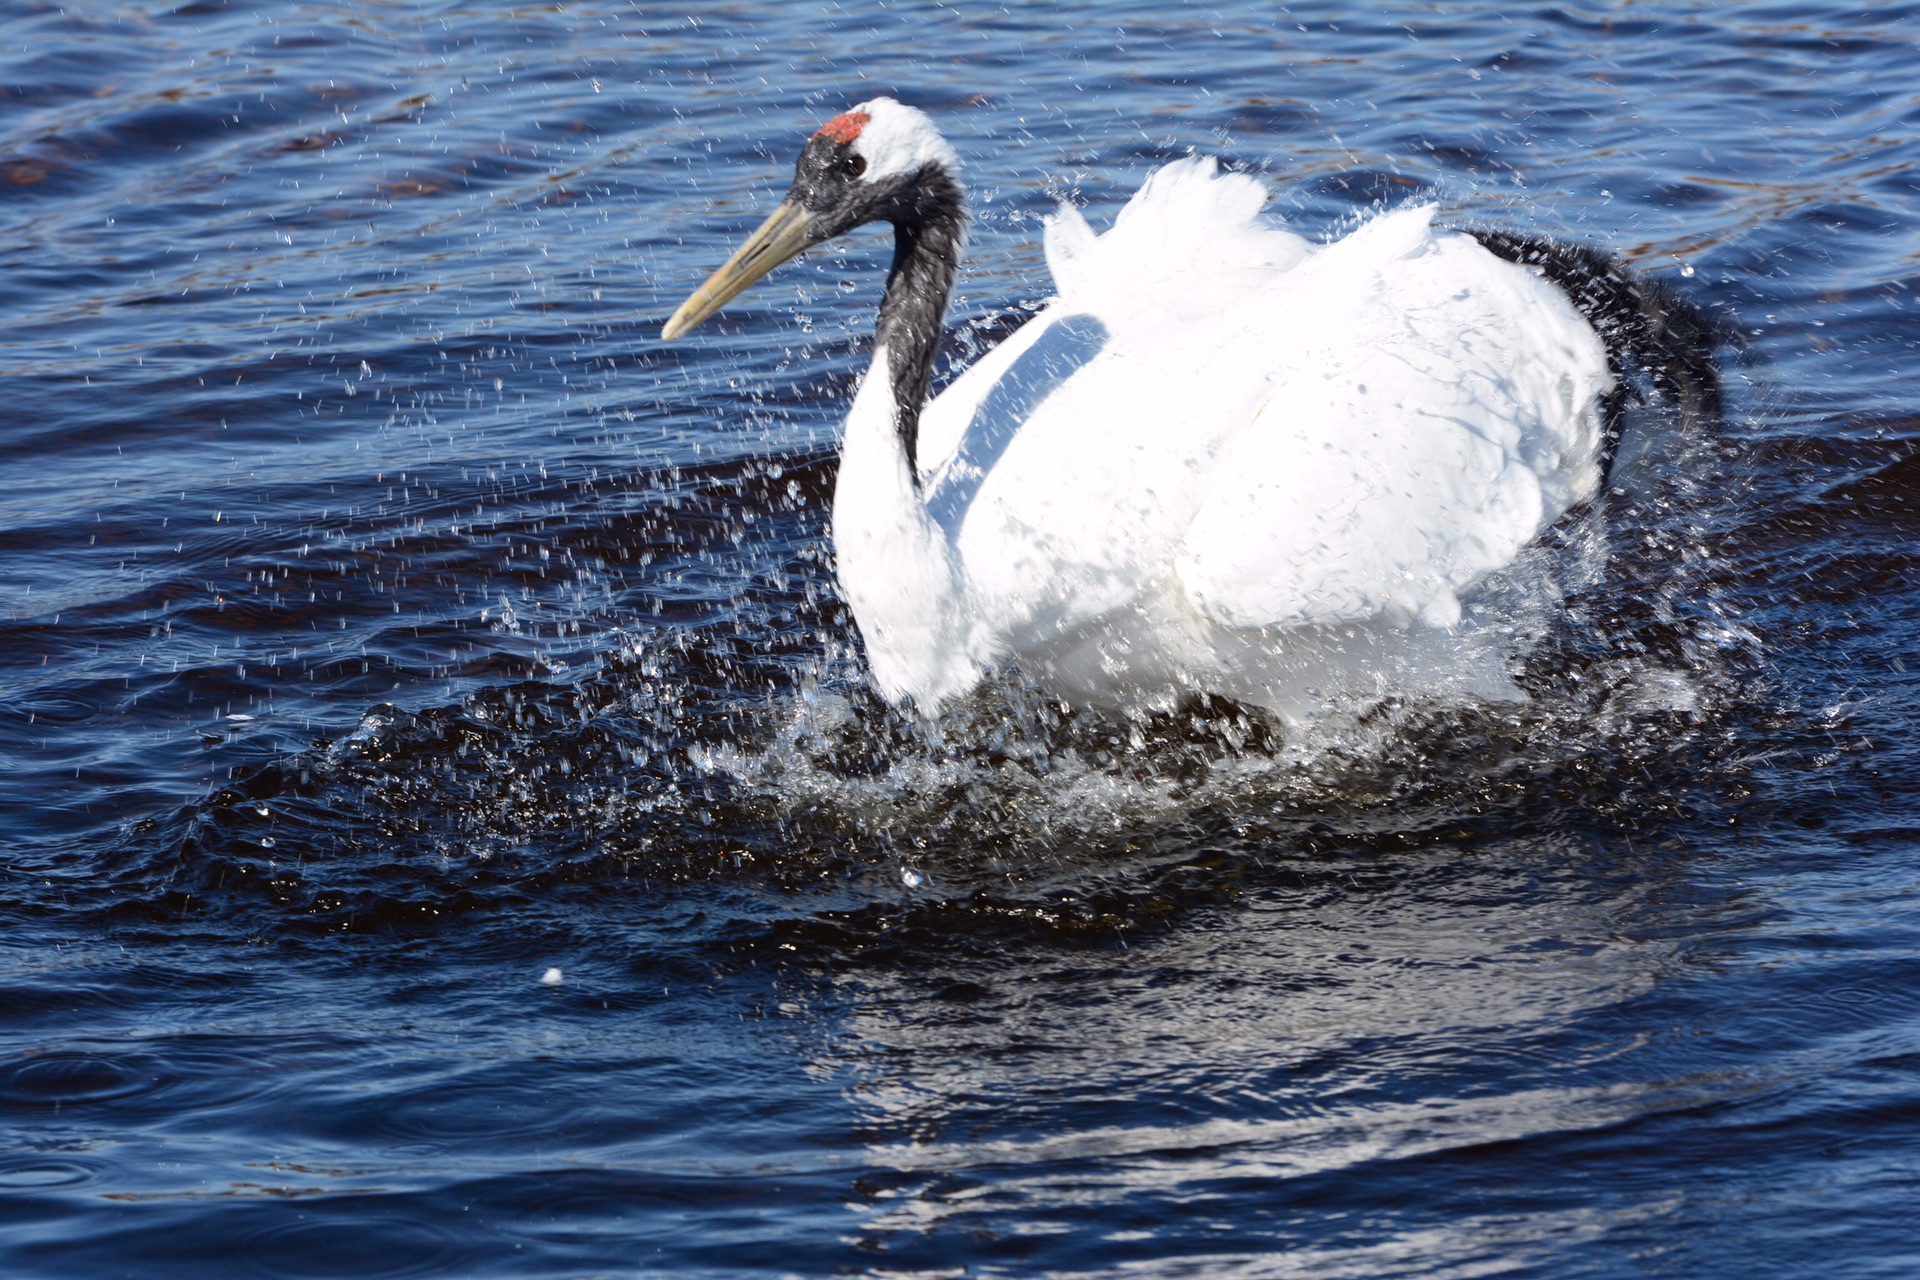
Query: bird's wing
{"x": 1190, "y": 242}
{"x": 1431, "y": 410}
{"x": 946, "y": 418}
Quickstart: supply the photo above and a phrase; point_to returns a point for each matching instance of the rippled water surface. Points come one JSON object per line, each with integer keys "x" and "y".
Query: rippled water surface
{"x": 387, "y": 618}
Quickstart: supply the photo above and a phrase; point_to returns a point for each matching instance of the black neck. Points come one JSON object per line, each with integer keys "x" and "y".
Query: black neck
{"x": 926, "y": 256}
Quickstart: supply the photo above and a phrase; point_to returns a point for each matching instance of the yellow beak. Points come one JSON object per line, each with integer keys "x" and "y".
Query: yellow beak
{"x": 782, "y": 236}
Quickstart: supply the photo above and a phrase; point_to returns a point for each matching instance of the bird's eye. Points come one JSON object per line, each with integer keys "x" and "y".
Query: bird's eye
{"x": 855, "y": 166}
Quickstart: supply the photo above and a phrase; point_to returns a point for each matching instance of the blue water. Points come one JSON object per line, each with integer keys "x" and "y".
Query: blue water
{"x": 387, "y": 618}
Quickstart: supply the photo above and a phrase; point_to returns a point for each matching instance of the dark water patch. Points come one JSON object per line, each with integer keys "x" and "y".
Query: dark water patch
{"x": 71, "y": 1082}
{"x": 1370, "y": 188}
{"x": 303, "y": 1241}
{"x": 1262, "y": 116}
{"x": 30, "y": 1173}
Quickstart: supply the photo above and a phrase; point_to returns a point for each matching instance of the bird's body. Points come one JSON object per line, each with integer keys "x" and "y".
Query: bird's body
{"x": 1222, "y": 460}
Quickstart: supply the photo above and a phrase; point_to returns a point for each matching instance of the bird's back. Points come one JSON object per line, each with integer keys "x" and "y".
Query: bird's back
{"x": 1220, "y": 428}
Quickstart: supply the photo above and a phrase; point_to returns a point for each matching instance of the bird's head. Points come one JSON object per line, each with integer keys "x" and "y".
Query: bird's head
{"x": 874, "y": 163}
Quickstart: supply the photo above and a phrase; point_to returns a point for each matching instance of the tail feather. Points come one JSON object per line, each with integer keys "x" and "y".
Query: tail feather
{"x": 1647, "y": 325}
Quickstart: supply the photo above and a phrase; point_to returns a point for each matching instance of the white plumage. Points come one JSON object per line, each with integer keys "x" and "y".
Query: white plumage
{"x": 1221, "y": 460}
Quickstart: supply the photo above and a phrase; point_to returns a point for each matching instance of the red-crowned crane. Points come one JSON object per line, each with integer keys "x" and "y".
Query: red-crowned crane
{"x": 1223, "y": 460}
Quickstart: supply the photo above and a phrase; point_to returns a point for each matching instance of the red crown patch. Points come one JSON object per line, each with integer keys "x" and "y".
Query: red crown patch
{"x": 846, "y": 126}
